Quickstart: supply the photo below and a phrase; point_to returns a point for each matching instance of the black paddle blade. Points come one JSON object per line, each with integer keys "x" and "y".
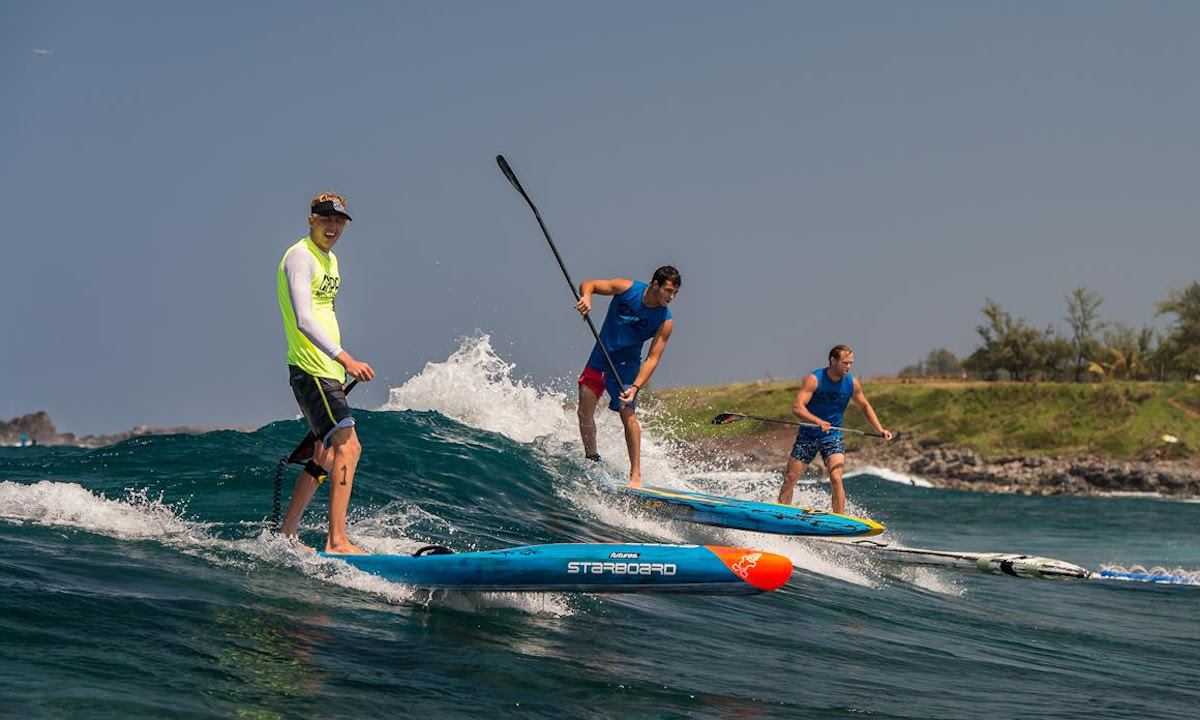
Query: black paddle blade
{"x": 726, "y": 418}
{"x": 304, "y": 451}
{"x": 508, "y": 173}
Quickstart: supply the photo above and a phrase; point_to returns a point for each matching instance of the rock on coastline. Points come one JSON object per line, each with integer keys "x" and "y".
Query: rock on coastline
{"x": 38, "y": 428}
{"x": 962, "y": 469}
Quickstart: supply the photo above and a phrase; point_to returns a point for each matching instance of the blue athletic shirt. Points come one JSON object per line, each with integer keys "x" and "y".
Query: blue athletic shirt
{"x": 829, "y": 401}
{"x": 627, "y": 326}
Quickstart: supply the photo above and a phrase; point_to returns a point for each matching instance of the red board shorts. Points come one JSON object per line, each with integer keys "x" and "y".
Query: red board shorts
{"x": 598, "y": 381}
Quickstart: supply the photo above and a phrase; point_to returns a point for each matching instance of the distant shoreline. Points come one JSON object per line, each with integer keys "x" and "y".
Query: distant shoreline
{"x": 957, "y": 468}
{"x": 40, "y": 430}
{"x": 1026, "y": 438}
{"x": 921, "y": 448}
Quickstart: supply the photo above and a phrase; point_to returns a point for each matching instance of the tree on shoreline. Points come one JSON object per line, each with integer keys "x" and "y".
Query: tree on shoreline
{"x": 1095, "y": 349}
{"x": 1126, "y": 355}
{"x": 1180, "y": 350}
{"x": 940, "y": 362}
{"x": 1083, "y": 319}
{"x": 1009, "y": 346}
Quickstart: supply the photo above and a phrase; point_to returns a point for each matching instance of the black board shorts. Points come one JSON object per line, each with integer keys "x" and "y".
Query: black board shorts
{"x": 322, "y": 401}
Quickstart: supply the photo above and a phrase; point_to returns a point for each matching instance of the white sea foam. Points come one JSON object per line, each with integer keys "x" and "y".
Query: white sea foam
{"x": 139, "y": 517}
{"x": 890, "y": 476}
{"x": 56, "y": 504}
{"x": 476, "y": 387}
{"x": 615, "y": 512}
{"x": 933, "y": 580}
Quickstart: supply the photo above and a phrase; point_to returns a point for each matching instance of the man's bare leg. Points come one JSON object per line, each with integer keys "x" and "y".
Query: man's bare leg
{"x": 302, "y": 494}
{"x": 837, "y": 493}
{"x": 346, "y": 452}
{"x": 587, "y": 419}
{"x": 633, "y": 443}
{"x": 795, "y": 469}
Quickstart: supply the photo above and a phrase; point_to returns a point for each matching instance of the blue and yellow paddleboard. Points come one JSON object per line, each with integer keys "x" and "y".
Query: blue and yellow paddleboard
{"x": 587, "y": 567}
{"x": 745, "y": 514}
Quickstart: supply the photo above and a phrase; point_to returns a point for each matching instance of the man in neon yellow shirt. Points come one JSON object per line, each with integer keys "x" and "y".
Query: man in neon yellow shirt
{"x": 306, "y": 284}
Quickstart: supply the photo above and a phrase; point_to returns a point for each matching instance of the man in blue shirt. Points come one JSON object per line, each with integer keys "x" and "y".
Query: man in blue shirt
{"x": 637, "y": 313}
{"x": 822, "y": 400}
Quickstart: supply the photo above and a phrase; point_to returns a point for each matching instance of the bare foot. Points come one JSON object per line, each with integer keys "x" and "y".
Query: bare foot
{"x": 635, "y": 481}
{"x": 295, "y": 543}
{"x": 345, "y": 548}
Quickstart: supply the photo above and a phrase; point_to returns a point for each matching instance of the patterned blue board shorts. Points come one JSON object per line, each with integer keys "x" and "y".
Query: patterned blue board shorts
{"x": 806, "y": 447}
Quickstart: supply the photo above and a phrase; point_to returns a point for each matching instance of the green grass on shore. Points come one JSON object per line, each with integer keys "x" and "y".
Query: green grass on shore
{"x": 1125, "y": 420}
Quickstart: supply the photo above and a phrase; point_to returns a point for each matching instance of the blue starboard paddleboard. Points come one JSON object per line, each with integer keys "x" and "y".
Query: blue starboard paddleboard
{"x": 587, "y": 567}
{"x": 726, "y": 512}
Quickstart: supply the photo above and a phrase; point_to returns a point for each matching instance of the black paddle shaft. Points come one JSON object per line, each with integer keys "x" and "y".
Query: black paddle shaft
{"x": 732, "y": 417}
{"x": 512, "y": 178}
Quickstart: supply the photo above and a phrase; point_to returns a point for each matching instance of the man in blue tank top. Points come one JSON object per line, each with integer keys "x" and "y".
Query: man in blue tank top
{"x": 822, "y": 400}
{"x": 637, "y": 313}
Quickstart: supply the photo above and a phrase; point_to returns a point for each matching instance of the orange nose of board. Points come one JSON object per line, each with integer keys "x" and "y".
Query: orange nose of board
{"x": 765, "y": 571}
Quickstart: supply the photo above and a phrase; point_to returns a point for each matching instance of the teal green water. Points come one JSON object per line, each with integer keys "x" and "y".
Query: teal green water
{"x": 136, "y": 582}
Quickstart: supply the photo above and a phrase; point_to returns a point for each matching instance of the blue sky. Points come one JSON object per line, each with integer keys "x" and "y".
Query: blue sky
{"x": 820, "y": 173}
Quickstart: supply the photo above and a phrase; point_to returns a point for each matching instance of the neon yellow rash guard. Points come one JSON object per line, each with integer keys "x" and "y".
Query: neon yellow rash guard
{"x": 313, "y": 337}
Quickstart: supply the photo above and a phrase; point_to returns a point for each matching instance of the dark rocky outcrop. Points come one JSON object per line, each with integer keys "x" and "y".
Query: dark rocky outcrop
{"x": 40, "y": 430}
{"x": 960, "y": 468}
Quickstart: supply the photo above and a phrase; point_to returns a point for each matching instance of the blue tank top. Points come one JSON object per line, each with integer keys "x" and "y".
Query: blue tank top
{"x": 829, "y": 401}
{"x": 627, "y": 326}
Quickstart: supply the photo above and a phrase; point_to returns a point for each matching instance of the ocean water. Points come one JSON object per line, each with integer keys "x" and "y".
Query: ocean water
{"x": 136, "y": 581}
